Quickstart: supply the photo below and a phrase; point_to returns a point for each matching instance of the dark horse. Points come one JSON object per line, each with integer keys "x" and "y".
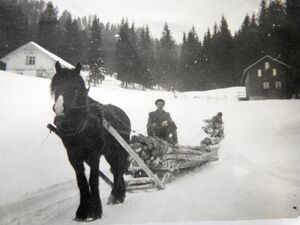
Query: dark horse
{"x": 78, "y": 122}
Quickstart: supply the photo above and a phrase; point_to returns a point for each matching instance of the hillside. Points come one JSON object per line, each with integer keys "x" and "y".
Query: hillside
{"x": 256, "y": 177}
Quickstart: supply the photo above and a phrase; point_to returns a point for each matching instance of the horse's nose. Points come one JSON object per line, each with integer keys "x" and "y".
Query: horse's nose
{"x": 58, "y": 107}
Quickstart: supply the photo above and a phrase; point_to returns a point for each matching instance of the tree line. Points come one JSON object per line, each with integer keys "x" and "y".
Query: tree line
{"x": 215, "y": 61}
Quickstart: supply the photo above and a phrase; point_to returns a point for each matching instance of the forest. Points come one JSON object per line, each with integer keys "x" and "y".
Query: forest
{"x": 216, "y": 60}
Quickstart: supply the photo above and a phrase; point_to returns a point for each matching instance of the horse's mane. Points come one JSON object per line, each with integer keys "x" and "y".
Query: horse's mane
{"x": 66, "y": 76}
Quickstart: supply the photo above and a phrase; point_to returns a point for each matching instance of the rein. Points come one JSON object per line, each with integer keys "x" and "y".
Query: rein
{"x": 82, "y": 126}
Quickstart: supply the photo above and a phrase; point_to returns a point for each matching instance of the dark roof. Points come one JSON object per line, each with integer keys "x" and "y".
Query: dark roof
{"x": 267, "y": 56}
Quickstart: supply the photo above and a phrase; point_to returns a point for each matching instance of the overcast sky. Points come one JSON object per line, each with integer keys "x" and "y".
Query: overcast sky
{"x": 181, "y": 15}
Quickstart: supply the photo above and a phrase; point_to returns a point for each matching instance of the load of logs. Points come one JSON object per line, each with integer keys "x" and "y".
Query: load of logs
{"x": 167, "y": 160}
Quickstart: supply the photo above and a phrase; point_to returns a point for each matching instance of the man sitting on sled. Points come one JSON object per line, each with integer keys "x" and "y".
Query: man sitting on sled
{"x": 161, "y": 125}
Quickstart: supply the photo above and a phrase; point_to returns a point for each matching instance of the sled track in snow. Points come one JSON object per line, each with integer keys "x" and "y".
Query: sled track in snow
{"x": 42, "y": 205}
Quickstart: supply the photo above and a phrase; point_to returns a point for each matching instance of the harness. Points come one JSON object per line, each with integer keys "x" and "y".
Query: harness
{"x": 97, "y": 116}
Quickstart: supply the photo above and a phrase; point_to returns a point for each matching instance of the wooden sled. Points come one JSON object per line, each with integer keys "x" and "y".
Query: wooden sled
{"x": 168, "y": 163}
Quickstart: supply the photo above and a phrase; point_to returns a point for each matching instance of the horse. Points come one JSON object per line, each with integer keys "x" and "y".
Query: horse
{"x": 79, "y": 124}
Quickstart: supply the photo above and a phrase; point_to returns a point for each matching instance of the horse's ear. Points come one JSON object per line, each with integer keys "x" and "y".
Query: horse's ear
{"x": 78, "y": 68}
{"x": 58, "y": 67}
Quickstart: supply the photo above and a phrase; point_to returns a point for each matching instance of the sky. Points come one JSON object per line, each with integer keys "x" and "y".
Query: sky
{"x": 181, "y": 15}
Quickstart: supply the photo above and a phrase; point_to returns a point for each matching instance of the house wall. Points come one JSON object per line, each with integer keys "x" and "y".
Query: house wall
{"x": 254, "y": 83}
{"x": 16, "y": 62}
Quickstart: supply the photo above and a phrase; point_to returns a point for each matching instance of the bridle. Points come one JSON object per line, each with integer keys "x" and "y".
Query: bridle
{"x": 73, "y": 131}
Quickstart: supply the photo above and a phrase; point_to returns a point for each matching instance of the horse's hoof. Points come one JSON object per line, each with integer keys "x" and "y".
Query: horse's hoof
{"x": 77, "y": 219}
{"x": 113, "y": 200}
{"x": 91, "y": 219}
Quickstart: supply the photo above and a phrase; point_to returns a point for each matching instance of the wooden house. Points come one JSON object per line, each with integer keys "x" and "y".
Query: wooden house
{"x": 33, "y": 60}
{"x": 268, "y": 78}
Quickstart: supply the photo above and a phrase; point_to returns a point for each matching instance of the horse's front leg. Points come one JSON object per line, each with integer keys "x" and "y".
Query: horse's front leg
{"x": 82, "y": 211}
{"x": 95, "y": 210}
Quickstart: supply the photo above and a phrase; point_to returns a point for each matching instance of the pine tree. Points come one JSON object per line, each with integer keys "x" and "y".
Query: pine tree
{"x": 72, "y": 46}
{"x": 191, "y": 70}
{"x": 292, "y": 32}
{"x": 109, "y": 35}
{"x": 135, "y": 64}
{"x": 183, "y": 63}
{"x": 207, "y": 59}
{"x": 245, "y": 50}
{"x": 226, "y": 55}
{"x": 14, "y": 29}
{"x": 49, "y": 34}
{"x": 95, "y": 54}
{"x": 166, "y": 60}
{"x": 122, "y": 54}
{"x": 292, "y": 38}
{"x": 146, "y": 53}
{"x": 263, "y": 30}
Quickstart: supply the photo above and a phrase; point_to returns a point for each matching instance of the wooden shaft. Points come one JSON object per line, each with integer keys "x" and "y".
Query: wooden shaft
{"x": 132, "y": 153}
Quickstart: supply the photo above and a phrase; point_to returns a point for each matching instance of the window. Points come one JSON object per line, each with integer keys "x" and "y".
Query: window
{"x": 278, "y": 84}
{"x": 266, "y": 85}
{"x": 30, "y": 60}
{"x": 267, "y": 65}
{"x": 274, "y": 72}
{"x": 259, "y": 73}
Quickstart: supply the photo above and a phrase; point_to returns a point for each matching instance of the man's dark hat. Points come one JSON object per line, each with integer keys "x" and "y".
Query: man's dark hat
{"x": 160, "y": 100}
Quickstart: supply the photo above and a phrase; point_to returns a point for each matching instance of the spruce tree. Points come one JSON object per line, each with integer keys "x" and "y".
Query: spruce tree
{"x": 49, "y": 34}
{"x": 263, "y": 30}
{"x": 95, "y": 54}
{"x": 225, "y": 59}
{"x": 192, "y": 53}
{"x": 14, "y": 29}
{"x": 146, "y": 53}
{"x": 166, "y": 60}
{"x": 245, "y": 46}
{"x": 122, "y": 54}
{"x": 135, "y": 65}
{"x": 292, "y": 32}
{"x": 72, "y": 41}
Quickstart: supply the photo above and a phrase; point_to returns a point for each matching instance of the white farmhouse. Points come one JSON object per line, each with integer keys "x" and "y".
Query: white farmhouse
{"x": 32, "y": 59}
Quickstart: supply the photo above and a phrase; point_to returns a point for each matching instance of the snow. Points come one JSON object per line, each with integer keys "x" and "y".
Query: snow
{"x": 255, "y": 181}
{"x": 53, "y": 56}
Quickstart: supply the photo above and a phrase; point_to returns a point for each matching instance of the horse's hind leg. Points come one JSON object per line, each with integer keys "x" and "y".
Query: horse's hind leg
{"x": 119, "y": 164}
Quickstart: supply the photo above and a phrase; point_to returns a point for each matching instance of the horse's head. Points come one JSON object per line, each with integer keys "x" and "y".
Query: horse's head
{"x": 69, "y": 91}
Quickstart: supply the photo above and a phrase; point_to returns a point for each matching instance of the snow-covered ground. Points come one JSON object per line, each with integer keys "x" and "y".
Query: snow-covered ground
{"x": 255, "y": 181}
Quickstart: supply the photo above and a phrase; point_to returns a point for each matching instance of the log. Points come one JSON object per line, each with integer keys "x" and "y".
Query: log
{"x": 206, "y": 156}
{"x": 187, "y": 151}
{"x": 138, "y": 181}
{"x": 212, "y": 148}
{"x": 176, "y": 164}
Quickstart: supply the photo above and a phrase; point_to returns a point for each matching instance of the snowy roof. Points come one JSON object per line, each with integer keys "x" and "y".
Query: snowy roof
{"x": 266, "y": 56}
{"x": 53, "y": 56}
{"x": 50, "y": 54}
